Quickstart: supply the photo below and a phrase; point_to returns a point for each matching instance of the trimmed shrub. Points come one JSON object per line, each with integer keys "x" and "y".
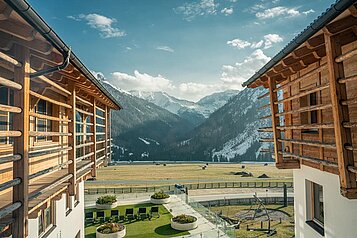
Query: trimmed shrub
{"x": 110, "y": 228}
{"x": 160, "y": 195}
{"x": 184, "y": 219}
{"x": 107, "y": 199}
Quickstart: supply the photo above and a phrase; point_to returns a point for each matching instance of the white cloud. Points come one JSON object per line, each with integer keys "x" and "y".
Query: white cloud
{"x": 240, "y": 44}
{"x": 227, "y": 11}
{"x": 267, "y": 42}
{"x": 278, "y": 11}
{"x": 101, "y": 23}
{"x": 271, "y": 39}
{"x": 238, "y": 73}
{"x": 256, "y": 45}
{"x": 231, "y": 78}
{"x": 141, "y": 81}
{"x": 165, "y": 48}
{"x": 190, "y": 10}
{"x": 308, "y": 12}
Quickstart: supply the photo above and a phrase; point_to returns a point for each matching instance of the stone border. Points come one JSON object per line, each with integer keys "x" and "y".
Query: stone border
{"x": 185, "y": 226}
{"x": 118, "y": 234}
{"x": 106, "y": 206}
{"x": 160, "y": 201}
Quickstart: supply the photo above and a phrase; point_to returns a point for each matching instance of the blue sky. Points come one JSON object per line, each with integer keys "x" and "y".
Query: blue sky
{"x": 187, "y": 48}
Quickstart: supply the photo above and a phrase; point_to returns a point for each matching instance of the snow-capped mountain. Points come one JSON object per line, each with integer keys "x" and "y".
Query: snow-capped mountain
{"x": 230, "y": 133}
{"x": 195, "y": 112}
{"x": 143, "y": 130}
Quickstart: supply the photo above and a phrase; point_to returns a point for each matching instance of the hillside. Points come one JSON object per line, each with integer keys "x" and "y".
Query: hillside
{"x": 143, "y": 129}
{"x": 194, "y": 112}
{"x": 230, "y": 133}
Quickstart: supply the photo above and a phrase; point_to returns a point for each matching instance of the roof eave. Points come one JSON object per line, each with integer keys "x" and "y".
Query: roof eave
{"x": 326, "y": 17}
{"x": 23, "y": 8}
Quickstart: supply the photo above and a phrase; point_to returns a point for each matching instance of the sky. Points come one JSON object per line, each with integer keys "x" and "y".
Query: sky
{"x": 187, "y": 48}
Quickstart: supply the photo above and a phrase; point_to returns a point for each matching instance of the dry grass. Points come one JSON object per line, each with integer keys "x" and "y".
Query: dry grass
{"x": 285, "y": 229}
{"x": 152, "y": 175}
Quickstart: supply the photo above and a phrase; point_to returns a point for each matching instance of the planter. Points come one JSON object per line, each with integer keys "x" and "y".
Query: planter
{"x": 117, "y": 234}
{"x": 159, "y": 201}
{"x": 184, "y": 226}
{"x": 106, "y": 206}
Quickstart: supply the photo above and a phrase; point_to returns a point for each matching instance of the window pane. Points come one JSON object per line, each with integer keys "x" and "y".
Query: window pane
{"x": 47, "y": 217}
{"x": 318, "y": 203}
{"x": 41, "y": 107}
{"x": 4, "y": 95}
{"x": 40, "y": 224}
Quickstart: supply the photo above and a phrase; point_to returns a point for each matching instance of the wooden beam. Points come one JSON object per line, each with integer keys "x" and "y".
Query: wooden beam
{"x": 275, "y": 122}
{"x": 94, "y": 138}
{"x": 21, "y": 144}
{"x": 106, "y": 136}
{"x": 110, "y": 134}
{"x": 72, "y": 139}
{"x": 340, "y": 114}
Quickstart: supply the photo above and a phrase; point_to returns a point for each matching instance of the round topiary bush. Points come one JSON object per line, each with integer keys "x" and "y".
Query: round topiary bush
{"x": 111, "y": 230}
{"x": 106, "y": 202}
{"x": 160, "y": 198}
{"x": 184, "y": 222}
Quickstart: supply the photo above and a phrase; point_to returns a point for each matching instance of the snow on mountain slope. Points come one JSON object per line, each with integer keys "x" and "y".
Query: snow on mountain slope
{"x": 230, "y": 133}
{"x": 196, "y": 113}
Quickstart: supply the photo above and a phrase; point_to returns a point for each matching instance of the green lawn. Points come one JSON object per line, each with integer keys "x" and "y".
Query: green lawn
{"x": 154, "y": 228}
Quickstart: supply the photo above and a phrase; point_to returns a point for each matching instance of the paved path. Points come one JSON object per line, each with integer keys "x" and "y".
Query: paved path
{"x": 205, "y": 228}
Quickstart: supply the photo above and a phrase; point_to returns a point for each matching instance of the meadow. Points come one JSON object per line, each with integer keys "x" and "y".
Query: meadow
{"x": 132, "y": 175}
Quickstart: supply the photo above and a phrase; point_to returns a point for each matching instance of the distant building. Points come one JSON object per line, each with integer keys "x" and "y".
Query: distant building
{"x": 312, "y": 85}
{"x": 54, "y": 128}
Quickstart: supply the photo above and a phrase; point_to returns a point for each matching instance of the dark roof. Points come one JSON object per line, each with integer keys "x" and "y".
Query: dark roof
{"x": 331, "y": 13}
{"x": 24, "y": 9}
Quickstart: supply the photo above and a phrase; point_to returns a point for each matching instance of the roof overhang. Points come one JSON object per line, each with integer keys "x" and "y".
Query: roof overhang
{"x": 308, "y": 46}
{"x": 24, "y": 9}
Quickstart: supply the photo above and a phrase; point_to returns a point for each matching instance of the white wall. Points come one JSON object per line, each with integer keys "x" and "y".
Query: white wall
{"x": 340, "y": 213}
{"x": 65, "y": 226}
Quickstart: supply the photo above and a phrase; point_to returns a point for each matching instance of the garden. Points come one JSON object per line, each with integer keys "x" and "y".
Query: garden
{"x": 137, "y": 220}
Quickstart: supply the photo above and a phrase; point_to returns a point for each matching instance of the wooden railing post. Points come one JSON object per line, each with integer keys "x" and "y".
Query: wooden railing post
{"x": 21, "y": 144}
{"x": 275, "y": 122}
{"x": 340, "y": 112}
{"x": 279, "y": 159}
{"x": 94, "y": 139}
{"x": 110, "y": 135}
{"x": 72, "y": 140}
{"x": 106, "y": 161}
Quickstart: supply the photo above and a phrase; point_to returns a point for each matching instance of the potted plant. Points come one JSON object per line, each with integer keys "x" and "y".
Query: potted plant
{"x": 184, "y": 222}
{"x": 160, "y": 198}
{"x": 110, "y": 230}
{"x": 106, "y": 202}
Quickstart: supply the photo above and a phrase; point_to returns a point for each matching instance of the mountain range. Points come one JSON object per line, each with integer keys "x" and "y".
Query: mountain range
{"x": 155, "y": 126}
{"x": 194, "y": 112}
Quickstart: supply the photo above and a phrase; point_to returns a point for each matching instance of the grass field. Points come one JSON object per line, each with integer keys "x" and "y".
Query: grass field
{"x": 285, "y": 229}
{"x": 154, "y": 228}
{"x": 151, "y": 175}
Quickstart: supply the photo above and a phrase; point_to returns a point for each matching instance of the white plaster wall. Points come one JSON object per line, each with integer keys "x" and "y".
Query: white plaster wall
{"x": 65, "y": 226}
{"x": 340, "y": 213}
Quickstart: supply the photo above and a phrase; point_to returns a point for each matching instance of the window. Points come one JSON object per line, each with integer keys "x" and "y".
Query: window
{"x": 6, "y": 98}
{"x": 311, "y": 116}
{"x": 43, "y": 125}
{"x": 315, "y": 206}
{"x": 45, "y": 220}
{"x": 68, "y": 204}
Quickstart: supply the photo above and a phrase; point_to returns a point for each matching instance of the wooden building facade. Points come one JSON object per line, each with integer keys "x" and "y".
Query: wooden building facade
{"x": 54, "y": 120}
{"x": 312, "y": 85}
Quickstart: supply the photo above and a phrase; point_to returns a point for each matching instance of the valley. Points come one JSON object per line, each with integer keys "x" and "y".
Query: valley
{"x": 156, "y": 126}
